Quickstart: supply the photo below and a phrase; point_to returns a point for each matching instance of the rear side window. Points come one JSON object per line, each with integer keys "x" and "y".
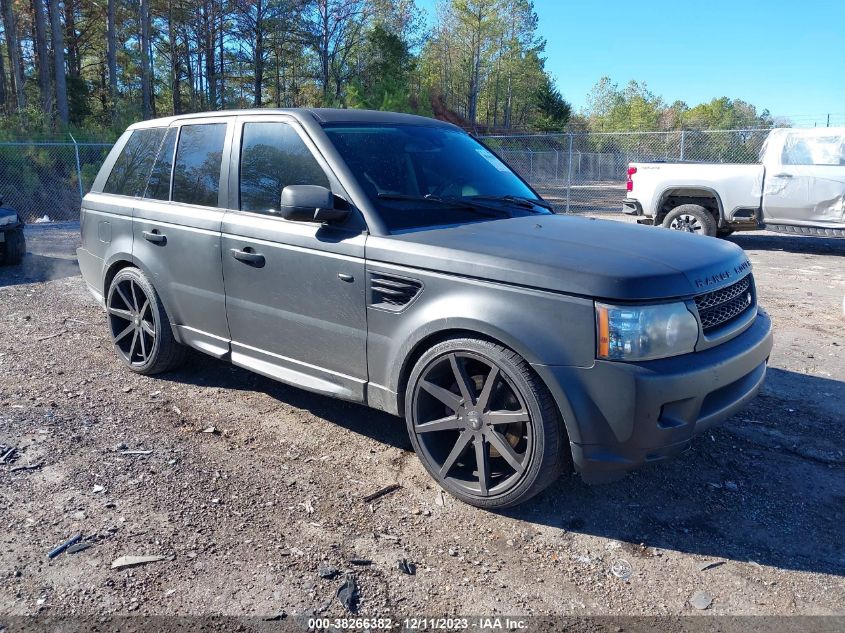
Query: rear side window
{"x": 158, "y": 187}
{"x": 273, "y": 156}
{"x": 128, "y": 177}
{"x": 196, "y": 176}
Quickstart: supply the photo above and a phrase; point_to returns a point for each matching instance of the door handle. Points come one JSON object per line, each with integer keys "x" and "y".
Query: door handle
{"x": 248, "y": 256}
{"x": 784, "y": 175}
{"x": 155, "y": 237}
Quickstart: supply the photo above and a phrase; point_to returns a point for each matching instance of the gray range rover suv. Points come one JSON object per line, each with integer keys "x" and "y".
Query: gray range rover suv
{"x": 395, "y": 261}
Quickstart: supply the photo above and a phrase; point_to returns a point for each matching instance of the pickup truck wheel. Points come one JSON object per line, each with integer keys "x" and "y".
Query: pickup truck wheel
{"x": 483, "y": 424}
{"x": 691, "y": 218}
{"x": 140, "y": 330}
{"x": 14, "y": 248}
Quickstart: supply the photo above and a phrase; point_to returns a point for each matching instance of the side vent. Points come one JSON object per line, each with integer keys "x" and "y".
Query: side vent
{"x": 392, "y": 293}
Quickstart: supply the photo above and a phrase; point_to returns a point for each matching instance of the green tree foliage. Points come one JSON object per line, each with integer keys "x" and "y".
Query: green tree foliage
{"x": 725, "y": 114}
{"x": 385, "y": 80}
{"x": 484, "y": 62}
{"x": 94, "y": 66}
{"x": 635, "y": 108}
{"x": 632, "y": 108}
{"x": 553, "y": 110}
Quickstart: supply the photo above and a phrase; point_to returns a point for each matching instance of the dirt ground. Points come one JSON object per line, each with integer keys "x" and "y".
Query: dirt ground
{"x": 247, "y": 487}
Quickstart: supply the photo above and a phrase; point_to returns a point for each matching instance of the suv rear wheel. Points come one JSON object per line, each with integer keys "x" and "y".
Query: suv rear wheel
{"x": 483, "y": 424}
{"x": 140, "y": 330}
{"x": 692, "y": 218}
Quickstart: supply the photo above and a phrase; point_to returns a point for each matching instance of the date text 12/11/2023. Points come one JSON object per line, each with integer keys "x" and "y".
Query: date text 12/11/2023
{"x": 482, "y": 623}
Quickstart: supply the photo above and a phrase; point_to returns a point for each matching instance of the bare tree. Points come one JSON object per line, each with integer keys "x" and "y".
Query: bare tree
{"x": 251, "y": 20}
{"x": 175, "y": 57}
{"x": 111, "y": 49}
{"x": 3, "y": 97}
{"x": 43, "y": 54}
{"x": 144, "y": 43}
{"x": 13, "y": 48}
{"x": 335, "y": 28}
{"x": 59, "y": 60}
{"x": 74, "y": 59}
{"x": 222, "y": 55}
{"x": 208, "y": 39}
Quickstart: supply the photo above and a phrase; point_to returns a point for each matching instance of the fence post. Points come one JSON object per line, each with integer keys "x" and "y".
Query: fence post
{"x": 569, "y": 174}
{"x": 78, "y": 168}
{"x": 557, "y": 164}
{"x": 683, "y": 141}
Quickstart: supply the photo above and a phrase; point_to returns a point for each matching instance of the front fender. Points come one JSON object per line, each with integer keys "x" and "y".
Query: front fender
{"x": 543, "y": 327}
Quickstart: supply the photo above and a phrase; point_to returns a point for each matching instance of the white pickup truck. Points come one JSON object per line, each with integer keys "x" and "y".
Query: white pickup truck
{"x": 798, "y": 187}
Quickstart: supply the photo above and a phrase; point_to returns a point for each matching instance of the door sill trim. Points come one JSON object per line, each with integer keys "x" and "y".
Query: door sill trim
{"x": 298, "y": 374}
{"x": 203, "y": 341}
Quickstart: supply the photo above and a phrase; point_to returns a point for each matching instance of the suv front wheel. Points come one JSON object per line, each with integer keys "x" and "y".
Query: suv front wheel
{"x": 483, "y": 424}
{"x": 140, "y": 330}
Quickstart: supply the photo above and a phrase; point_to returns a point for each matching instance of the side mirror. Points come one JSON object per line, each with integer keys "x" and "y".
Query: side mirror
{"x": 309, "y": 203}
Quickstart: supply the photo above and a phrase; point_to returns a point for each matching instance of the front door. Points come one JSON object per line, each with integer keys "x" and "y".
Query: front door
{"x": 296, "y": 303}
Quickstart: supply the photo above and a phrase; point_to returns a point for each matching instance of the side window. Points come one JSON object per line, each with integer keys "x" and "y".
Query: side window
{"x": 802, "y": 149}
{"x": 158, "y": 187}
{"x": 273, "y": 156}
{"x": 128, "y": 177}
{"x": 196, "y": 176}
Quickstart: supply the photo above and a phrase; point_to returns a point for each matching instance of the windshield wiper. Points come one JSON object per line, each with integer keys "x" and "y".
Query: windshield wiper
{"x": 457, "y": 203}
{"x": 525, "y": 203}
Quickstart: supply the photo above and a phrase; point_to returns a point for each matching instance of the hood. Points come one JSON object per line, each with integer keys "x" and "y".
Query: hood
{"x": 602, "y": 259}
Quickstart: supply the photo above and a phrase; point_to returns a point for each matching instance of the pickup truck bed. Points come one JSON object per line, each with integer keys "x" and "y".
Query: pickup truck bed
{"x": 798, "y": 188}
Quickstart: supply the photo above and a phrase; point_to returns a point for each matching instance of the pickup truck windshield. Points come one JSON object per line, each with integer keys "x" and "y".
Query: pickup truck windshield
{"x": 418, "y": 176}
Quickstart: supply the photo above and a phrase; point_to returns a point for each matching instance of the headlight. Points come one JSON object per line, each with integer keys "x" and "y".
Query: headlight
{"x": 645, "y": 332}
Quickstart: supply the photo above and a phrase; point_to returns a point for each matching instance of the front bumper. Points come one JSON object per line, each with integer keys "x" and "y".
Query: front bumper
{"x": 620, "y": 416}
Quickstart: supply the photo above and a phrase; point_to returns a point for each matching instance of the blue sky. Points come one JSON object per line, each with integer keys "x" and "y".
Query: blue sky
{"x": 788, "y": 57}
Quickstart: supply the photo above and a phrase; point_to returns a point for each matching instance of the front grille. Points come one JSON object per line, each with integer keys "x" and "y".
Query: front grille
{"x": 722, "y": 306}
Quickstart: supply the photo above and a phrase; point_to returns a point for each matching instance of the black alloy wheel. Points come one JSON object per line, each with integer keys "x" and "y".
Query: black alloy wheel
{"x": 139, "y": 327}
{"x": 483, "y": 425}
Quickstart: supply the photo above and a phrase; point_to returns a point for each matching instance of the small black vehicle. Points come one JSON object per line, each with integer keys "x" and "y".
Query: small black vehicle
{"x": 12, "y": 241}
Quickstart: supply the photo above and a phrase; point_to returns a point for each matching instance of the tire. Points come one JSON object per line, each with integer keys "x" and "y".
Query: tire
{"x": 510, "y": 425}
{"x": 14, "y": 248}
{"x": 724, "y": 232}
{"x": 140, "y": 330}
{"x": 691, "y": 218}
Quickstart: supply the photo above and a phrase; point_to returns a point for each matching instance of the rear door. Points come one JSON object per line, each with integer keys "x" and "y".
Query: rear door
{"x": 177, "y": 230}
{"x": 106, "y": 212}
{"x": 808, "y": 187}
{"x": 298, "y": 314}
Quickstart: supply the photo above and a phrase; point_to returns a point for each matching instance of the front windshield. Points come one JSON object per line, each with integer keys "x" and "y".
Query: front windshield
{"x": 419, "y": 176}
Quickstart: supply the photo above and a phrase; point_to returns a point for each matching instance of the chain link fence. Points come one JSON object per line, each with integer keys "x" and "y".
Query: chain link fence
{"x": 585, "y": 172}
{"x": 45, "y": 180}
{"x": 577, "y": 172}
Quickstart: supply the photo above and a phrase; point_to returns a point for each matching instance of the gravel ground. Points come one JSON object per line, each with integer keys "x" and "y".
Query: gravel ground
{"x": 246, "y": 488}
